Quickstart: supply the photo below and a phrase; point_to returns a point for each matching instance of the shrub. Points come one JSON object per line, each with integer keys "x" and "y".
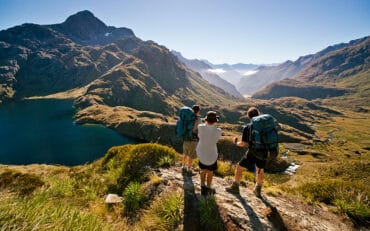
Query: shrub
{"x": 140, "y": 159}
{"x": 224, "y": 169}
{"x": 115, "y": 156}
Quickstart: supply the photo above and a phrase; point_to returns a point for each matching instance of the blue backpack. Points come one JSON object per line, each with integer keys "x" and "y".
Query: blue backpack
{"x": 264, "y": 136}
{"x": 185, "y": 124}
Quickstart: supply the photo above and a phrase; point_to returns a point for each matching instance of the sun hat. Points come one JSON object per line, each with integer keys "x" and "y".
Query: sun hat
{"x": 211, "y": 117}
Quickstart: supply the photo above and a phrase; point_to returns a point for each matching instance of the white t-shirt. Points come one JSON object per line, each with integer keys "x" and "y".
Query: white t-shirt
{"x": 207, "y": 145}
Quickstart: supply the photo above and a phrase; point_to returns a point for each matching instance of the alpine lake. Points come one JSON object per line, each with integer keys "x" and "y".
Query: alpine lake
{"x": 43, "y": 131}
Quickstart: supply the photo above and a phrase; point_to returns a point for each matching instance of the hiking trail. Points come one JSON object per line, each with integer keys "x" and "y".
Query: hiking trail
{"x": 246, "y": 211}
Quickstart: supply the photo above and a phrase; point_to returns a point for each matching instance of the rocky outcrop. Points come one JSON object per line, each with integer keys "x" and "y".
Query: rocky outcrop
{"x": 246, "y": 211}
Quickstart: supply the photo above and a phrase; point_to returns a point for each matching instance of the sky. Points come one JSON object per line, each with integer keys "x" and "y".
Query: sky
{"x": 221, "y": 31}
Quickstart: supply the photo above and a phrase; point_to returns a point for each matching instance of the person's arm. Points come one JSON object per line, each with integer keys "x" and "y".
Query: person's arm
{"x": 241, "y": 144}
{"x": 245, "y": 138}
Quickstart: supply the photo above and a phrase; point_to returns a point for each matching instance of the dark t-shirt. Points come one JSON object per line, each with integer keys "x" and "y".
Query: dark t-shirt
{"x": 246, "y": 133}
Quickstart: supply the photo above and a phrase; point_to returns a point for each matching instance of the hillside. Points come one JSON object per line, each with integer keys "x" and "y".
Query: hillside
{"x": 294, "y": 88}
{"x": 336, "y": 73}
{"x": 345, "y": 59}
{"x": 155, "y": 197}
{"x": 204, "y": 70}
{"x": 39, "y": 60}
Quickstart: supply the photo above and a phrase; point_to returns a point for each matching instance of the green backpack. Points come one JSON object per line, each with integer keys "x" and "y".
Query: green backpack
{"x": 185, "y": 123}
{"x": 264, "y": 136}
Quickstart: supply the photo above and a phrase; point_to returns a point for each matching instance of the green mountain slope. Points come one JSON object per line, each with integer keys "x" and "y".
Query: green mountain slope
{"x": 119, "y": 69}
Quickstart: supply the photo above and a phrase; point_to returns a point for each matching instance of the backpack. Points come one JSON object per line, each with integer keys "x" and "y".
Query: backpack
{"x": 185, "y": 124}
{"x": 264, "y": 136}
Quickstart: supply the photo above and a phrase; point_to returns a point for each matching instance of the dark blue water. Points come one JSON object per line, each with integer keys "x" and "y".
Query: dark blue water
{"x": 42, "y": 131}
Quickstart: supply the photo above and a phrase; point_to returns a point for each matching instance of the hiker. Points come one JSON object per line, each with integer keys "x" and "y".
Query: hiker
{"x": 250, "y": 160}
{"x": 207, "y": 151}
{"x": 190, "y": 143}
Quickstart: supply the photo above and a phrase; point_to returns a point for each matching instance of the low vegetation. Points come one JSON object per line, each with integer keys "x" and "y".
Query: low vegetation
{"x": 336, "y": 170}
{"x": 333, "y": 170}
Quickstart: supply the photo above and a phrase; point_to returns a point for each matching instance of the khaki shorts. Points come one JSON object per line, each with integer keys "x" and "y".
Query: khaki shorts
{"x": 189, "y": 147}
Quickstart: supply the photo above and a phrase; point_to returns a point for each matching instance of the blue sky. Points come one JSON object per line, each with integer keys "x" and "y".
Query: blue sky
{"x": 221, "y": 31}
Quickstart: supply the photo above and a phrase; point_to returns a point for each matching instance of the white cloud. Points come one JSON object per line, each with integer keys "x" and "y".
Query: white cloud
{"x": 217, "y": 71}
{"x": 249, "y": 72}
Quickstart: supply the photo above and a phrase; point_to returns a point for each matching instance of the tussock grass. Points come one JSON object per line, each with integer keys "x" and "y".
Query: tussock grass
{"x": 165, "y": 213}
{"x": 134, "y": 198}
{"x": 41, "y": 213}
{"x": 22, "y": 184}
{"x": 210, "y": 217}
{"x": 350, "y": 197}
{"x": 73, "y": 198}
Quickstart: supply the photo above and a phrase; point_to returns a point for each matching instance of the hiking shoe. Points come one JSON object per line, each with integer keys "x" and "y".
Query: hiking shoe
{"x": 234, "y": 188}
{"x": 211, "y": 191}
{"x": 257, "y": 191}
{"x": 203, "y": 190}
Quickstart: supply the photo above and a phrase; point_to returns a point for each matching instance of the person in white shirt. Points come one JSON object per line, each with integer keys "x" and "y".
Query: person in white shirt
{"x": 207, "y": 152}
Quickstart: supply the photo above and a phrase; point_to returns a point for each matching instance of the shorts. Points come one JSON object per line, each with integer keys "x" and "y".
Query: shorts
{"x": 212, "y": 167}
{"x": 248, "y": 161}
{"x": 189, "y": 147}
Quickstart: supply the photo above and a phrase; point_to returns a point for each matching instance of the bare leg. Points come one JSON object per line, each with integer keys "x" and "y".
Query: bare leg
{"x": 184, "y": 160}
{"x": 190, "y": 162}
{"x": 238, "y": 173}
{"x": 203, "y": 176}
{"x": 209, "y": 178}
{"x": 259, "y": 175}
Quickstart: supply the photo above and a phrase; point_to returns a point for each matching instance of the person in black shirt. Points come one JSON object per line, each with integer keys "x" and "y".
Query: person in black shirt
{"x": 249, "y": 160}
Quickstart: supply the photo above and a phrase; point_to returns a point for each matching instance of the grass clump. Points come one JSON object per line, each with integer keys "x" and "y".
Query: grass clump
{"x": 165, "y": 213}
{"x": 40, "y": 213}
{"x": 22, "y": 184}
{"x": 133, "y": 198}
{"x": 210, "y": 217}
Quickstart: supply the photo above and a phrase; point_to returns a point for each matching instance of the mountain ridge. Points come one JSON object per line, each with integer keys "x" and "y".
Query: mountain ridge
{"x": 47, "y": 59}
{"x": 288, "y": 69}
{"x": 330, "y": 68}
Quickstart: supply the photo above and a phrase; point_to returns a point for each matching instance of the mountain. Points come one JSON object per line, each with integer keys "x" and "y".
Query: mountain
{"x": 233, "y": 73}
{"x": 205, "y": 71}
{"x": 84, "y": 28}
{"x": 288, "y": 69}
{"x": 115, "y": 67}
{"x": 326, "y": 73}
